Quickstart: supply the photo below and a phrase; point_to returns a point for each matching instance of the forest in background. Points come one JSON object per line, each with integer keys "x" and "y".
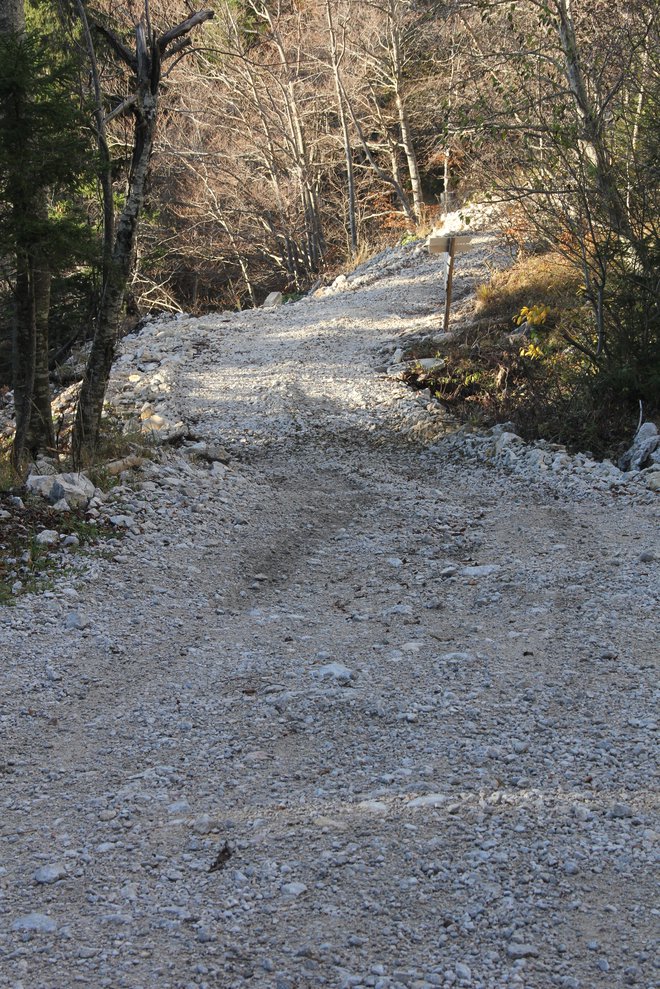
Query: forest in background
{"x": 278, "y": 142}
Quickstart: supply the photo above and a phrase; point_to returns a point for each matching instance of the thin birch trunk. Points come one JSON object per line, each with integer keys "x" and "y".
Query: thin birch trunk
{"x": 348, "y": 154}
{"x": 392, "y": 143}
{"x": 396, "y": 59}
{"x": 268, "y": 155}
{"x": 411, "y": 157}
{"x": 638, "y": 116}
{"x": 592, "y": 128}
{"x": 309, "y": 197}
{"x": 446, "y": 173}
{"x": 383, "y": 176}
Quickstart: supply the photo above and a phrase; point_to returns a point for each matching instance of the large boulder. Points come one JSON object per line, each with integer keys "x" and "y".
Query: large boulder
{"x": 41, "y": 484}
{"x": 644, "y": 445}
{"x": 75, "y": 488}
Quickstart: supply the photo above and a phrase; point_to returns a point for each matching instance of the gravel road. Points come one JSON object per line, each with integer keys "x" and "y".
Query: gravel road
{"x": 362, "y": 709}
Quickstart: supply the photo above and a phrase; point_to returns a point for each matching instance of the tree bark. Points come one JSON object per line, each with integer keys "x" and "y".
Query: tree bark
{"x": 343, "y": 119}
{"x": 383, "y": 176}
{"x": 97, "y": 373}
{"x": 12, "y": 17}
{"x": 396, "y": 58}
{"x": 12, "y": 23}
{"x": 303, "y": 166}
{"x": 41, "y": 435}
{"x": 105, "y": 158}
{"x": 269, "y": 157}
{"x": 24, "y": 351}
{"x": 591, "y": 120}
{"x": 147, "y": 65}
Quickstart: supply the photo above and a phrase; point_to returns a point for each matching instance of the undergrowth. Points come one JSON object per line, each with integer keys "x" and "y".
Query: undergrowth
{"x": 513, "y": 362}
{"x": 27, "y": 566}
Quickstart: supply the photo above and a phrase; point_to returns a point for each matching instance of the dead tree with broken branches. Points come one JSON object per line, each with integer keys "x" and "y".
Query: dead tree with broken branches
{"x": 145, "y": 62}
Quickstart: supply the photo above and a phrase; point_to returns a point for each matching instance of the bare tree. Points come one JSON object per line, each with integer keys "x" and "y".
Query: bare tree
{"x": 394, "y": 75}
{"x": 145, "y": 63}
{"x": 385, "y": 48}
{"x": 337, "y": 51}
{"x": 577, "y": 76}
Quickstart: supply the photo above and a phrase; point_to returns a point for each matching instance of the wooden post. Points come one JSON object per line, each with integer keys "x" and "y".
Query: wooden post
{"x": 448, "y": 283}
{"x": 450, "y": 246}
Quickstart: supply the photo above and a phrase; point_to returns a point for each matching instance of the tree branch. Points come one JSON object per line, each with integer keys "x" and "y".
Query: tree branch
{"x": 184, "y": 28}
{"x": 120, "y": 49}
{"x": 175, "y": 49}
{"x": 121, "y": 108}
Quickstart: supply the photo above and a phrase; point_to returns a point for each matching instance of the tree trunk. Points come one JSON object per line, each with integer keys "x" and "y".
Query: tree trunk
{"x": 97, "y": 373}
{"x": 383, "y": 176}
{"x": 12, "y": 22}
{"x": 594, "y": 143}
{"x": 270, "y": 160}
{"x": 411, "y": 157}
{"x": 41, "y": 435}
{"x": 348, "y": 155}
{"x": 12, "y": 17}
{"x": 446, "y": 163}
{"x": 146, "y": 64}
{"x": 404, "y": 122}
{"x": 24, "y": 341}
{"x": 105, "y": 162}
{"x": 303, "y": 166}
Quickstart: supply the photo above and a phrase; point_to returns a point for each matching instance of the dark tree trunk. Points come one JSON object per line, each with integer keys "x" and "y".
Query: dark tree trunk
{"x": 146, "y": 64}
{"x": 24, "y": 348}
{"x": 41, "y": 434}
{"x": 97, "y": 374}
{"x": 12, "y": 23}
{"x": 12, "y": 17}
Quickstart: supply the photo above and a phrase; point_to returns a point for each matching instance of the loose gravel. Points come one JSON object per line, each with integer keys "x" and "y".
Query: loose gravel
{"x": 371, "y": 704}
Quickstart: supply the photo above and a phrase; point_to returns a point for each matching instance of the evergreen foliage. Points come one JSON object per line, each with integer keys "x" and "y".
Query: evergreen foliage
{"x": 45, "y": 148}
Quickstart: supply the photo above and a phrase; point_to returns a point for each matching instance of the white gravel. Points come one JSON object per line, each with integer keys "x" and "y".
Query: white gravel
{"x": 371, "y": 705}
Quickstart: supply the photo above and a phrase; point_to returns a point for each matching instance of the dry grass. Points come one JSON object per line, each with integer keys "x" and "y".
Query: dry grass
{"x": 547, "y": 279}
{"x": 9, "y": 479}
{"x": 539, "y": 383}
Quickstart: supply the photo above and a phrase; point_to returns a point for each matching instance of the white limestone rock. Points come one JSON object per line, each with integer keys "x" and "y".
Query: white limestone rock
{"x": 41, "y": 484}
{"x": 334, "y": 671}
{"x": 47, "y": 537}
{"x": 646, "y": 442}
{"x": 48, "y": 874}
{"x": 76, "y": 488}
{"x": 35, "y": 922}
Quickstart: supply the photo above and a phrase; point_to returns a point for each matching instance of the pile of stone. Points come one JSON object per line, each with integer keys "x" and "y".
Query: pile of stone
{"x": 637, "y": 472}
